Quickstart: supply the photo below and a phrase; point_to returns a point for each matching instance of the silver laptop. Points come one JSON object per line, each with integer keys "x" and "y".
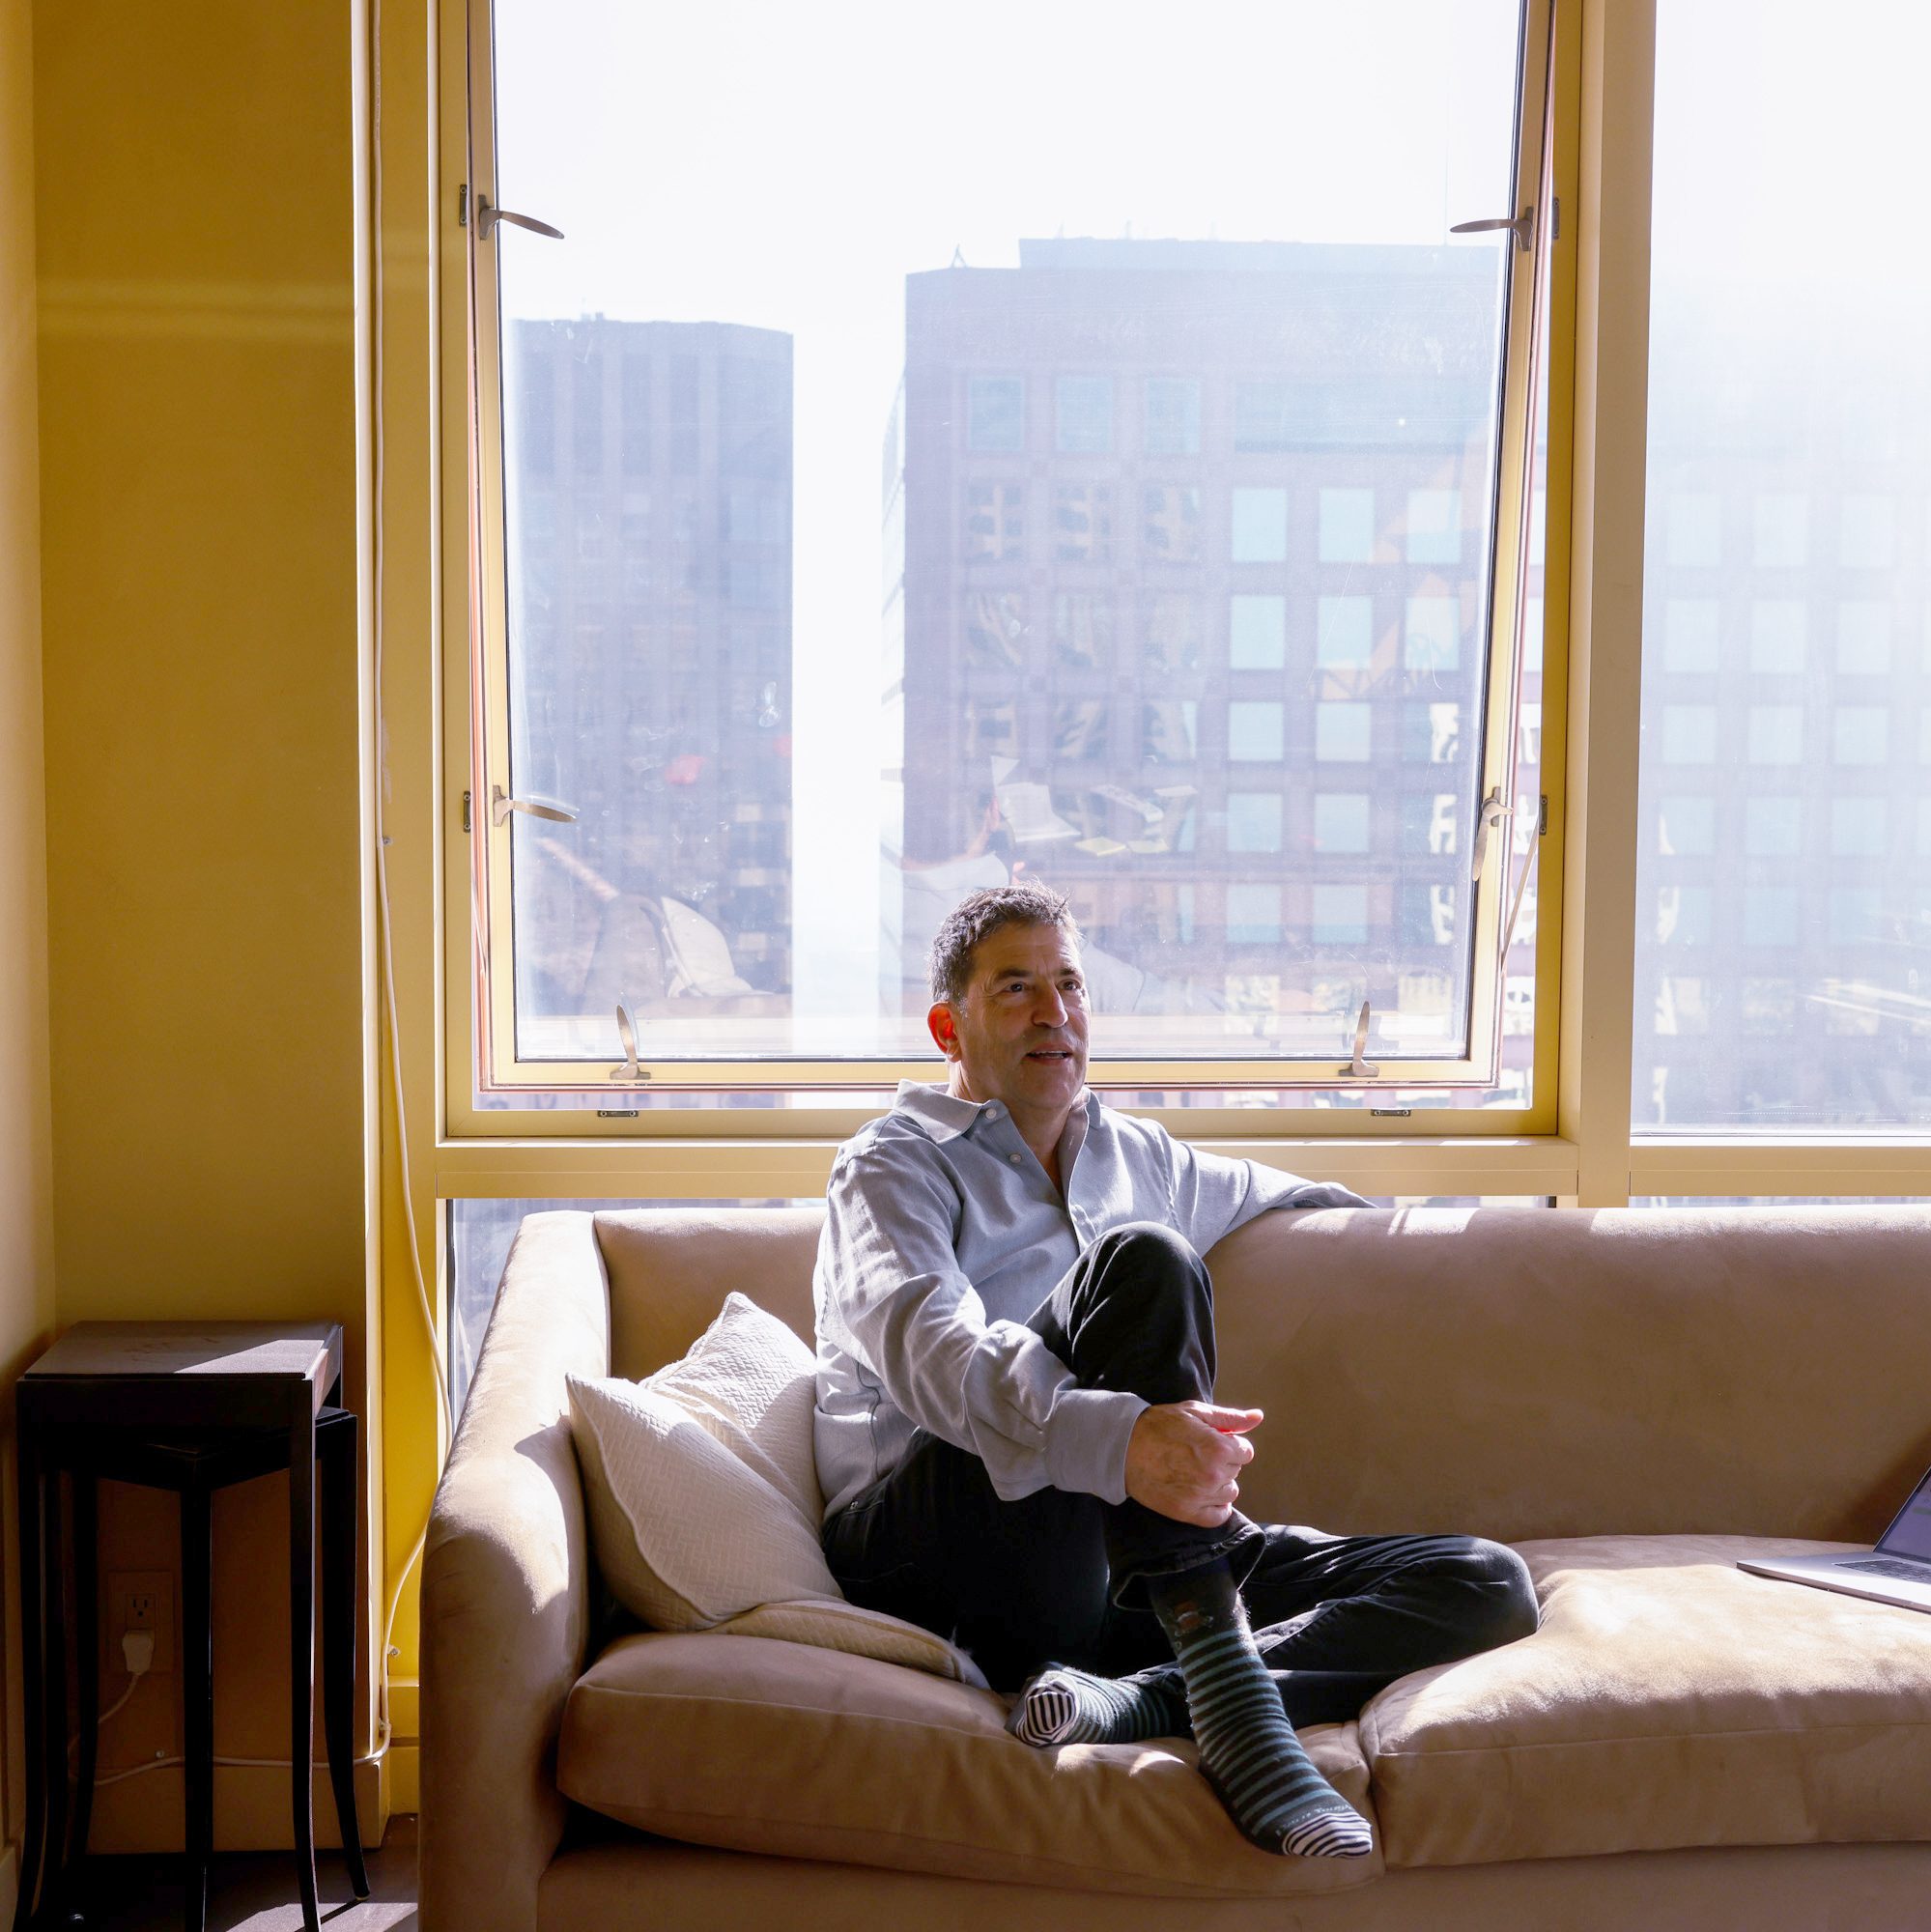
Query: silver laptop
{"x": 1898, "y": 1571}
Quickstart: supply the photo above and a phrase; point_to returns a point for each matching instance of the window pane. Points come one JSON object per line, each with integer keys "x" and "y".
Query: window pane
{"x": 1786, "y": 649}
{"x": 1173, "y": 415}
{"x": 481, "y": 1234}
{"x": 1176, "y": 559}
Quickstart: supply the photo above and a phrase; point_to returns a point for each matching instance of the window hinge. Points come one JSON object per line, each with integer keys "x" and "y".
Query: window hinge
{"x": 1542, "y": 818}
{"x": 502, "y": 804}
{"x": 1521, "y": 226}
{"x": 466, "y": 812}
{"x": 463, "y": 205}
{"x": 1556, "y": 218}
{"x": 1488, "y": 817}
{"x": 488, "y": 215}
{"x": 1358, "y": 1068}
{"x": 627, "y": 1033}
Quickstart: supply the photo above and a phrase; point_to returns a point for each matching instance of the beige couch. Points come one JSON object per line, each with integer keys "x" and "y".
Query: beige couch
{"x": 1631, "y": 1398}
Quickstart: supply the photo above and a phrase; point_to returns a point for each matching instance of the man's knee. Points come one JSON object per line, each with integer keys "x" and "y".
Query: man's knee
{"x": 1501, "y": 1606}
{"x": 1151, "y": 1247}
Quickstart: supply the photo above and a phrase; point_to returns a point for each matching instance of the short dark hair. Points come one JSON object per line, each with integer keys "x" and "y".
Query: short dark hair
{"x": 977, "y": 916}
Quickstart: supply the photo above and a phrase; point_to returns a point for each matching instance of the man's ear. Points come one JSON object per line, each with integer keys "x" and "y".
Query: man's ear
{"x": 938, "y": 1023}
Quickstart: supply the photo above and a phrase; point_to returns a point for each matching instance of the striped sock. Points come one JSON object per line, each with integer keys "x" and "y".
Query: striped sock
{"x": 1064, "y": 1706}
{"x": 1248, "y": 1750}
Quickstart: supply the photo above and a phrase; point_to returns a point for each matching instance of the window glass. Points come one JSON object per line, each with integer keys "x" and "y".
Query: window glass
{"x": 1686, "y": 827}
{"x": 1253, "y": 821}
{"x": 1255, "y": 731}
{"x": 1341, "y": 820}
{"x": 1863, "y": 637}
{"x": 1257, "y": 633}
{"x": 1776, "y": 636}
{"x": 1856, "y": 826}
{"x": 1341, "y": 731}
{"x": 480, "y": 1234}
{"x": 995, "y": 412}
{"x": 1773, "y": 1201}
{"x": 1140, "y": 402}
{"x": 1789, "y": 474}
{"x": 1260, "y": 525}
{"x": 1690, "y": 630}
{"x": 1434, "y": 527}
{"x": 1431, "y": 637}
{"x": 1173, "y": 415}
{"x": 1347, "y": 527}
{"x": 1344, "y": 633}
{"x": 1084, "y": 415}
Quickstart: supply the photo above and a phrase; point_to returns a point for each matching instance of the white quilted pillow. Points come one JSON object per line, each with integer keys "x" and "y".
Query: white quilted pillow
{"x": 704, "y": 1502}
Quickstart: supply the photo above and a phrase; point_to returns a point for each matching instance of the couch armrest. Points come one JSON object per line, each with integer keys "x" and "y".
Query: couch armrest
{"x": 506, "y": 1590}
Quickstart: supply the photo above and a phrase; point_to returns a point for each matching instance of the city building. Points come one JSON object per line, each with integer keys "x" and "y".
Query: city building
{"x": 649, "y": 495}
{"x": 1783, "y": 931}
{"x": 1187, "y": 551}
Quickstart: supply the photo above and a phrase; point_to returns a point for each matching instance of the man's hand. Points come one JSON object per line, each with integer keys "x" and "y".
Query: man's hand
{"x": 1183, "y": 1458}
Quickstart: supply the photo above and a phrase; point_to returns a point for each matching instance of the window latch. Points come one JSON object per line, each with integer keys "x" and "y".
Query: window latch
{"x": 1358, "y": 1068}
{"x": 1488, "y": 817}
{"x": 502, "y": 804}
{"x": 1521, "y": 226}
{"x": 488, "y": 215}
{"x": 627, "y": 1033}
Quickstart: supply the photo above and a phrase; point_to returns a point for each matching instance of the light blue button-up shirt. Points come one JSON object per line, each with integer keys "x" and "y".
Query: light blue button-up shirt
{"x": 943, "y": 1234}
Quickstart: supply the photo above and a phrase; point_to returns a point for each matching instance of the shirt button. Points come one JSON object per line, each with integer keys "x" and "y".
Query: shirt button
{"x": 992, "y": 1112}
{"x": 1015, "y": 1158}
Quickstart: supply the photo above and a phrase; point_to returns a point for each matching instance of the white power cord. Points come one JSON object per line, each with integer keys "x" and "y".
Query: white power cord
{"x": 137, "y": 1651}
{"x": 137, "y": 1648}
{"x": 386, "y": 959}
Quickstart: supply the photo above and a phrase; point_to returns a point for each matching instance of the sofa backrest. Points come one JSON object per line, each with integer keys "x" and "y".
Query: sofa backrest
{"x": 1512, "y": 1373}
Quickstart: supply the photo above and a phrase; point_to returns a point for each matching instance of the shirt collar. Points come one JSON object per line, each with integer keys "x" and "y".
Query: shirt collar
{"x": 944, "y": 1116}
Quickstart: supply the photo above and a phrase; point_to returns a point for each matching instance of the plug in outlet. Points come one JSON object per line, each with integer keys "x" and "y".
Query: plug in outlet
{"x": 140, "y": 1600}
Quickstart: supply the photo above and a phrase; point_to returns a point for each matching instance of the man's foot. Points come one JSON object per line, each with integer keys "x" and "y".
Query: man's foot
{"x": 1248, "y": 1750}
{"x": 1064, "y": 1706}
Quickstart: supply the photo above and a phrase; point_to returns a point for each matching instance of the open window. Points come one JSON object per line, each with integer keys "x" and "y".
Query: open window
{"x": 950, "y": 446}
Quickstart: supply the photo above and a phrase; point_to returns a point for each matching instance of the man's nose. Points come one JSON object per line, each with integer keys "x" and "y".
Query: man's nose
{"x": 1049, "y": 1009}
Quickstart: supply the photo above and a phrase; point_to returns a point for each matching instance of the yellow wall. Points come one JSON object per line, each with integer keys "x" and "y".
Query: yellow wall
{"x": 26, "y": 1180}
{"x": 195, "y": 197}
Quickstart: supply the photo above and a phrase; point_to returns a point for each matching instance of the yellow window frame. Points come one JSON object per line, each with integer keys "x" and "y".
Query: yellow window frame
{"x": 832, "y": 1097}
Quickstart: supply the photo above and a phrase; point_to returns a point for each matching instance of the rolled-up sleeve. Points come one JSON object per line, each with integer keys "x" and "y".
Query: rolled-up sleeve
{"x": 1213, "y": 1195}
{"x": 895, "y": 1297}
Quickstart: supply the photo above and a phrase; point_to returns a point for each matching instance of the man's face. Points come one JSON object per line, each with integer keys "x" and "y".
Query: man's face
{"x": 1019, "y": 1034}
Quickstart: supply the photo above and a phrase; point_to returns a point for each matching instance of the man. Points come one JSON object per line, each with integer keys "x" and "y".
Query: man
{"x": 1016, "y": 1425}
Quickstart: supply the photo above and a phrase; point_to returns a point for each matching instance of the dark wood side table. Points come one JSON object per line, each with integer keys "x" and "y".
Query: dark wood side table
{"x": 189, "y": 1407}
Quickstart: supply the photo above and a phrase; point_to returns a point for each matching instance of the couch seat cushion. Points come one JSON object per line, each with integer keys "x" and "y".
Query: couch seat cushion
{"x": 1668, "y": 1699}
{"x": 767, "y": 1746}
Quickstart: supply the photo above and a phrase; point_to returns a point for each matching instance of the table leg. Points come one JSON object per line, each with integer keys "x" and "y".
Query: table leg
{"x": 87, "y": 1656}
{"x": 197, "y": 1700}
{"x": 337, "y": 1444}
{"x": 33, "y": 1634}
{"x": 54, "y": 1761}
{"x": 301, "y": 1652}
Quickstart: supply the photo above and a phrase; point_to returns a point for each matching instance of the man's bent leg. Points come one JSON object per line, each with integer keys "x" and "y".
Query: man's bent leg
{"x": 1136, "y": 1313}
{"x": 1349, "y": 1614}
{"x": 1017, "y": 1584}
{"x": 1338, "y": 1619}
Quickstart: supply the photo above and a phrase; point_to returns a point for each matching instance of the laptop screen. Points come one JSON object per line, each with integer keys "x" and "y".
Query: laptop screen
{"x": 1910, "y": 1535}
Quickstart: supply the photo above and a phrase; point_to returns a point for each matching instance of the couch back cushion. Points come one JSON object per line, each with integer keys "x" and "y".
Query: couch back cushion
{"x": 1512, "y": 1373}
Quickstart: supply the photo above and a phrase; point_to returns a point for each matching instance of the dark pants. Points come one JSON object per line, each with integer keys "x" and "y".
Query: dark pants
{"x": 1057, "y": 1576}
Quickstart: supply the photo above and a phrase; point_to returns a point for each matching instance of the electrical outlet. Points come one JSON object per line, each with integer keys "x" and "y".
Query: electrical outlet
{"x": 140, "y": 1600}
